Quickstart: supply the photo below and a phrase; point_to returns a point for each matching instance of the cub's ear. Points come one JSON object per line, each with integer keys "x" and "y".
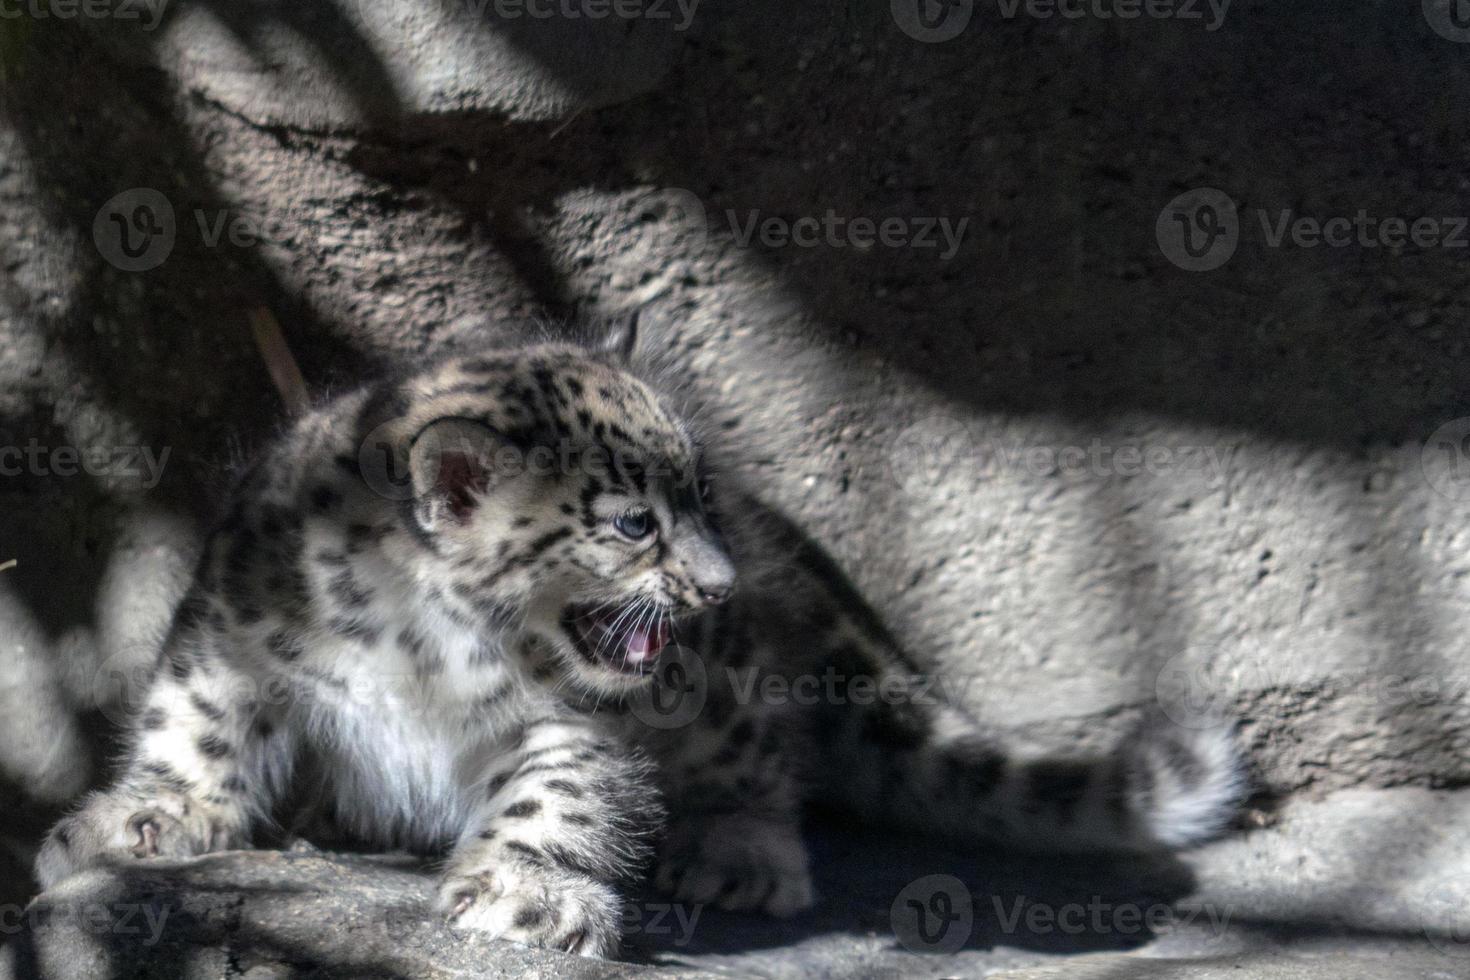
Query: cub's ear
{"x": 621, "y": 337}
{"x": 454, "y": 463}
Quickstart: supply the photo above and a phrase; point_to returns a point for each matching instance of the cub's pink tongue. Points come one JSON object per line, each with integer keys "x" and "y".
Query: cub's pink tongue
{"x": 644, "y": 643}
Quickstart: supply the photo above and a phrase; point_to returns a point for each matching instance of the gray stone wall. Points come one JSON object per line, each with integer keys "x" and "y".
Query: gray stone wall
{"x": 1077, "y": 474}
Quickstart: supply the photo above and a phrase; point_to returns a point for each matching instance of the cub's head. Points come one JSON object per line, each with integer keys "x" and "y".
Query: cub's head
{"x": 554, "y": 485}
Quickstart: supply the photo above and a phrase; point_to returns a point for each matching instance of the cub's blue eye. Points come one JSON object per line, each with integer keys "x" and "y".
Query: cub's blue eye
{"x": 634, "y": 524}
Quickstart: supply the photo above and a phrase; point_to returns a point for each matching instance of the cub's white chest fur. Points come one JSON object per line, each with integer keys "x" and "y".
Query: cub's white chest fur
{"x": 408, "y": 725}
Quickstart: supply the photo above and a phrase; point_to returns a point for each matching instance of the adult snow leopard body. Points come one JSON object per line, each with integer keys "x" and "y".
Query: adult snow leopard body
{"x": 455, "y": 594}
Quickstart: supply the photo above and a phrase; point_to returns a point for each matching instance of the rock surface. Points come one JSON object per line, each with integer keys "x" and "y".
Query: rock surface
{"x": 1345, "y": 887}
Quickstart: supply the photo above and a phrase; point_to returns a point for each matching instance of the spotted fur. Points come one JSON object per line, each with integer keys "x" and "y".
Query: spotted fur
{"x": 452, "y": 595}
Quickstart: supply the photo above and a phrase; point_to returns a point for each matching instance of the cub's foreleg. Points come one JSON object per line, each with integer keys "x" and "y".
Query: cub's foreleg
{"x": 729, "y": 760}
{"x": 205, "y": 760}
{"x": 565, "y": 815}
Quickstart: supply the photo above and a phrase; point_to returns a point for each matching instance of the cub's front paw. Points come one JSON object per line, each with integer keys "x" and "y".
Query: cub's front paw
{"x": 547, "y": 907}
{"x": 737, "y": 863}
{"x": 112, "y": 826}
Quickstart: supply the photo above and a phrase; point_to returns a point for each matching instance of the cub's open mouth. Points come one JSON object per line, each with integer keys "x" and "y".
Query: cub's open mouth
{"x": 623, "y": 638}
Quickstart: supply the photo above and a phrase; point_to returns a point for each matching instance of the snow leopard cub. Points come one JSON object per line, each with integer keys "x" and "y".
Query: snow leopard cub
{"x": 455, "y": 593}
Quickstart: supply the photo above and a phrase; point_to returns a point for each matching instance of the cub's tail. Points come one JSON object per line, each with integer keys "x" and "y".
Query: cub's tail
{"x": 930, "y": 769}
{"x": 908, "y": 758}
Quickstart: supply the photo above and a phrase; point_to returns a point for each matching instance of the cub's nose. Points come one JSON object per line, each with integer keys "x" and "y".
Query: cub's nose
{"x": 715, "y": 594}
{"x": 711, "y": 573}
{"x": 714, "y": 581}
